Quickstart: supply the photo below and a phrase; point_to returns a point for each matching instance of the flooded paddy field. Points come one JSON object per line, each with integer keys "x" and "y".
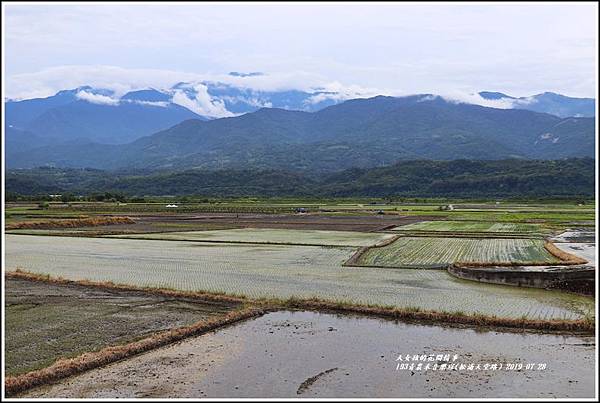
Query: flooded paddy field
{"x": 307, "y": 354}
{"x": 273, "y": 236}
{"x": 281, "y": 271}
{"x": 47, "y": 321}
{"x": 431, "y": 251}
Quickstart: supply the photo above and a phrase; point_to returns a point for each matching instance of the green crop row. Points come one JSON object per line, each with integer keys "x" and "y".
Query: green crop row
{"x": 430, "y": 251}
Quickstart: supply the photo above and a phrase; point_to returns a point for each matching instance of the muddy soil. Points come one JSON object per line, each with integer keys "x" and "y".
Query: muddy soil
{"x": 306, "y": 354}
{"x": 45, "y": 322}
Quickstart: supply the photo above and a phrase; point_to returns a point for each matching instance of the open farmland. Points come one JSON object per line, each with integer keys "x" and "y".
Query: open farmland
{"x": 421, "y": 252}
{"x": 47, "y": 321}
{"x": 271, "y": 236}
{"x": 471, "y": 226}
{"x": 282, "y": 271}
{"x": 165, "y": 221}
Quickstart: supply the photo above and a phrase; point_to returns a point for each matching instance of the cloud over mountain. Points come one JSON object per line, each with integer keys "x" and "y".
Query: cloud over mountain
{"x": 234, "y": 93}
{"x": 201, "y": 102}
{"x": 96, "y": 98}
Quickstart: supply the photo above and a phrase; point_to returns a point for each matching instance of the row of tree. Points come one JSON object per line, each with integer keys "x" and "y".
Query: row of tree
{"x": 423, "y": 178}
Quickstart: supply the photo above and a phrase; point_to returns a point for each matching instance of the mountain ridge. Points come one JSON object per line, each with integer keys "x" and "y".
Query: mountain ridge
{"x": 360, "y": 133}
{"x": 102, "y": 116}
{"x": 87, "y": 113}
{"x": 548, "y": 102}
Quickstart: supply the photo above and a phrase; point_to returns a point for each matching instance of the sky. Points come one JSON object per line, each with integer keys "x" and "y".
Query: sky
{"x": 388, "y": 48}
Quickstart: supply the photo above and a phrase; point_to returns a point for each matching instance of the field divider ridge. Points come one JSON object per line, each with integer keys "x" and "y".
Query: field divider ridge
{"x": 71, "y": 223}
{"x": 566, "y": 257}
{"x": 353, "y": 261}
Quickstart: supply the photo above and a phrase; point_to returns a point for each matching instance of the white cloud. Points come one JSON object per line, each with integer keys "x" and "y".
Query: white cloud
{"x": 338, "y": 92}
{"x": 428, "y": 98}
{"x": 476, "y": 99}
{"x": 161, "y": 104}
{"x": 525, "y": 101}
{"x": 202, "y": 103}
{"x": 96, "y": 98}
{"x": 121, "y": 80}
{"x": 253, "y": 101}
{"x": 259, "y": 103}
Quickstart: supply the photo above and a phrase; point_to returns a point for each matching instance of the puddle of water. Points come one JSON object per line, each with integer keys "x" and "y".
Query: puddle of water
{"x": 307, "y": 354}
{"x": 575, "y": 236}
{"x": 586, "y": 251}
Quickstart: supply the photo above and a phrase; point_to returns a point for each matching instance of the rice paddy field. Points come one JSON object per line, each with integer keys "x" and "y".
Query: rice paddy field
{"x": 271, "y": 236}
{"x": 282, "y": 271}
{"x": 45, "y": 322}
{"x": 322, "y": 355}
{"x": 421, "y": 252}
{"x": 471, "y": 226}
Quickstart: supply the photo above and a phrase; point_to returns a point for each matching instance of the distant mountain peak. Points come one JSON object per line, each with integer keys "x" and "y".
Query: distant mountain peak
{"x": 548, "y": 102}
{"x": 147, "y": 95}
{"x": 494, "y": 95}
